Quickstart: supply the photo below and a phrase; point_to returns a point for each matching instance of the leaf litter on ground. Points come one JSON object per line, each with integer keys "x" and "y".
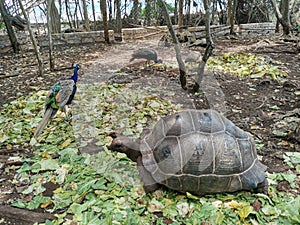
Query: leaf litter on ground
{"x": 105, "y": 188}
{"x": 248, "y": 65}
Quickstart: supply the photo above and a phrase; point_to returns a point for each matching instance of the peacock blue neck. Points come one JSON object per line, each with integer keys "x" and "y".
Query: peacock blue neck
{"x": 75, "y": 75}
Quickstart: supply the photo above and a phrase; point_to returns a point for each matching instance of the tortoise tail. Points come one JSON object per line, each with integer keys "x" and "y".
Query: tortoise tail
{"x": 46, "y": 118}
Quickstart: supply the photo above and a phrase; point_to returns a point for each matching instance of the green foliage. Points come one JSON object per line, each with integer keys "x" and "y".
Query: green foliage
{"x": 2, "y": 25}
{"x": 247, "y": 65}
{"x": 105, "y": 188}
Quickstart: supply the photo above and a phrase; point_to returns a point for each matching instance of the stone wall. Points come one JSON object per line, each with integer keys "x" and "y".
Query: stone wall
{"x": 129, "y": 34}
{"x": 75, "y": 38}
{"x": 256, "y": 28}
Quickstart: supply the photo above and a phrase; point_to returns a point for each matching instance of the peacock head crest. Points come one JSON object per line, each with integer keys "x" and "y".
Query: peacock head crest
{"x": 77, "y": 67}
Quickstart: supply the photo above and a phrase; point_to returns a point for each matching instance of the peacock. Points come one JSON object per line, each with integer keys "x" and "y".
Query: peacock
{"x": 146, "y": 53}
{"x": 60, "y": 95}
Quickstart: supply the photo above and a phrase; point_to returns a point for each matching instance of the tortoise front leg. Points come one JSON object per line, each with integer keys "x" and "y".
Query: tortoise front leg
{"x": 149, "y": 183}
{"x": 262, "y": 187}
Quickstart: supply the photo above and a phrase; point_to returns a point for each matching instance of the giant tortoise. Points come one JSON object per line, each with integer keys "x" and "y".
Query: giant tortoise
{"x": 196, "y": 151}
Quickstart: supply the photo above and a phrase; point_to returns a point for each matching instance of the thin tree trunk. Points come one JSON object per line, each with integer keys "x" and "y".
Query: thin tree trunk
{"x": 110, "y": 10}
{"x": 68, "y": 13}
{"x": 148, "y": 12}
{"x": 86, "y": 16}
{"x": 33, "y": 40}
{"x": 125, "y": 9}
{"x": 49, "y": 24}
{"x": 229, "y": 11}
{"x": 10, "y": 30}
{"x": 118, "y": 17}
{"x": 209, "y": 48}
{"x": 175, "y": 11}
{"x": 104, "y": 17}
{"x": 180, "y": 62}
{"x": 180, "y": 15}
{"x": 55, "y": 19}
{"x": 80, "y": 12}
{"x": 94, "y": 14}
{"x": 188, "y": 12}
{"x": 76, "y": 21}
{"x": 232, "y": 16}
{"x": 135, "y": 12}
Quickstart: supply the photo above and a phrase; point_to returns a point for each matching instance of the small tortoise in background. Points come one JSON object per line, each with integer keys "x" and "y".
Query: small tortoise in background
{"x": 196, "y": 151}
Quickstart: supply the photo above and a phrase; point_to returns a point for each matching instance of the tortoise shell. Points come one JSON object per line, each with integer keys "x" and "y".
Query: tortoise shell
{"x": 201, "y": 152}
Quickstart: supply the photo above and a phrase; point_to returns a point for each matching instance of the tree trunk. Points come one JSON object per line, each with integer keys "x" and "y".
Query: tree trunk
{"x": 55, "y": 18}
{"x": 76, "y": 21}
{"x": 229, "y": 11}
{"x": 68, "y": 13}
{"x": 180, "y": 62}
{"x": 180, "y": 15}
{"x": 118, "y": 17}
{"x": 94, "y": 15}
{"x": 148, "y": 12}
{"x": 33, "y": 40}
{"x": 9, "y": 28}
{"x": 188, "y": 12}
{"x": 175, "y": 11}
{"x": 110, "y": 10}
{"x": 232, "y": 16}
{"x": 284, "y": 16}
{"x": 86, "y": 16}
{"x": 104, "y": 17}
{"x": 209, "y": 49}
{"x": 135, "y": 13}
{"x": 49, "y": 24}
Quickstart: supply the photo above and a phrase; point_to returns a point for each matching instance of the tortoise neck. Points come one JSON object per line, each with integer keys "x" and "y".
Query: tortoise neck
{"x": 133, "y": 149}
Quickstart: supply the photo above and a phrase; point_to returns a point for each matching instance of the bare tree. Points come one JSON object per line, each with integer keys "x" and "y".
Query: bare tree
{"x": 209, "y": 48}
{"x": 180, "y": 15}
{"x": 49, "y": 25}
{"x": 33, "y": 40}
{"x": 135, "y": 11}
{"x": 232, "y": 16}
{"x": 148, "y": 12}
{"x": 104, "y": 17}
{"x": 94, "y": 14}
{"x": 188, "y": 11}
{"x": 180, "y": 62}
{"x": 118, "y": 17}
{"x": 86, "y": 16}
{"x": 55, "y": 18}
{"x": 229, "y": 11}
{"x": 175, "y": 11}
{"x": 9, "y": 28}
{"x": 284, "y": 16}
{"x": 69, "y": 15}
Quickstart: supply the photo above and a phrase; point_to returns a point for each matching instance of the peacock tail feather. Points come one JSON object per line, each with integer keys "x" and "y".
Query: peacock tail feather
{"x": 44, "y": 122}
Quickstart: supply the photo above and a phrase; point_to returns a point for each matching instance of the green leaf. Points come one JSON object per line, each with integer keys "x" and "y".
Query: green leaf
{"x": 85, "y": 186}
{"x": 290, "y": 178}
{"x": 245, "y": 211}
{"x": 220, "y": 217}
{"x": 46, "y": 164}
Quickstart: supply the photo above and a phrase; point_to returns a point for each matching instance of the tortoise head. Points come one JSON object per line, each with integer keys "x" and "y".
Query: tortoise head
{"x": 125, "y": 145}
{"x": 158, "y": 61}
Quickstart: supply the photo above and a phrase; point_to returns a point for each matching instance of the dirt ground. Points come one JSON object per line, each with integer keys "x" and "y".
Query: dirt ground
{"x": 249, "y": 102}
